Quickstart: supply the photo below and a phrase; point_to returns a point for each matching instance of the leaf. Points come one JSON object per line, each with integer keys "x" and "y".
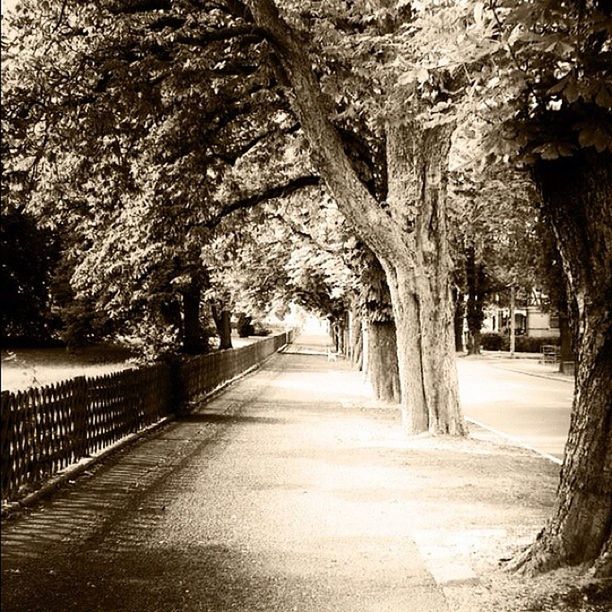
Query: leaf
{"x": 604, "y": 97}
{"x": 422, "y": 75}
{"x": 548, "y": 151}
{"x": 560, "y": 85}
{"x": 570, "y": 92}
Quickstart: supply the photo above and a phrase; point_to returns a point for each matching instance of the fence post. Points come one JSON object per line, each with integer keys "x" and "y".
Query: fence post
{"x": 80, "y": 401}
{"x": 6, "y": 424}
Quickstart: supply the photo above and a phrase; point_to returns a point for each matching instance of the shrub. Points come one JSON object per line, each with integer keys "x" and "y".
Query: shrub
{"x": 528, "y": 344}
{"x": 492, "y": 341}
{"x": 245, "y": 327}
{"x": 260, "y": 330}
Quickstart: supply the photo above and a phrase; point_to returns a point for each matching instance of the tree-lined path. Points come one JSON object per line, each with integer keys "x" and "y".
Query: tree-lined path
{"x": 293, "y": 490}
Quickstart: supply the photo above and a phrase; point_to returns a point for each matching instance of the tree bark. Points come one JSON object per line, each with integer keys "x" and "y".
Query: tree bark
{"x": 356, "y": 337}
{"x": 384, "y": 370}
{"x": 566, "y": 352}
{"x": 458, "y": 319}
{"x": 512, "y": 321}
{"x": 223, "y": 323}
{"x": 476, "y": 285}
{"x": 577, "y": 201}
{"x": 408, "y": 236}
{"x": 420, "y": 280}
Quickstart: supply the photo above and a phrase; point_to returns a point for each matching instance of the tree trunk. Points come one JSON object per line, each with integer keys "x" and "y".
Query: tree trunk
{"x": 384, "y": 371}
{"x": 512, "y": 321}
{"x": 342, "y": 329}
{"x": 194, "y": 337}
{"x": 223, "y": 323}
{"x": 365, "y": 348}
{"x": 420, "y": 281}
{"x": 566, "y": 352}
{"x": 356, "y": 337}
{"x": 458, "y": 319}
{"x": 577, "y": 201}
{"x": 426, "y": 351}
{"x": 358, "y": 349}
{"x": 475, "y": 277}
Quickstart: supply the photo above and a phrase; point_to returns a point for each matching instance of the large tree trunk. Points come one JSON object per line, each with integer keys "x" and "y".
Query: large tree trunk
{"x": 408, "y": 234}
{"x": 194, "y": 337}
{"x": 420, "y": 283}
{"x": 577, "y": 195}
{"x": 383, "y": 368}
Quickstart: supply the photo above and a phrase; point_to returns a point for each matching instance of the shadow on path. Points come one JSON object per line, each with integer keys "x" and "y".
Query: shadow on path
{"x": 290, "y": 491}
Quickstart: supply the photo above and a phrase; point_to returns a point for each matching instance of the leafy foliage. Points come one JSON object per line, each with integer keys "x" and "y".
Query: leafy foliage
{"x": 29, "y": 257}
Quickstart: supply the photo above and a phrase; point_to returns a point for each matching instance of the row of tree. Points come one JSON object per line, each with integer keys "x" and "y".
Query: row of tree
{"x": 194, "y": 151}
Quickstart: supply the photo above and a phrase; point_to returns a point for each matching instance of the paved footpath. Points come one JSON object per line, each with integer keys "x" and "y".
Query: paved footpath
{"x": 287, "y": 492}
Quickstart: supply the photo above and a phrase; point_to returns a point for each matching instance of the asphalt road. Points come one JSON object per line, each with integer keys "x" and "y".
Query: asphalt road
{"x": 533, "y": 410}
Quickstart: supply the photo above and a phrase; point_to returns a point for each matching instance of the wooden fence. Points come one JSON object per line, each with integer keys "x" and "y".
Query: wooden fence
{"x": 45, "y": 429}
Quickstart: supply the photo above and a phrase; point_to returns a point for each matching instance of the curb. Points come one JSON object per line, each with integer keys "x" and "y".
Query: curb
{"x": 515, "y": 441}
{"x": 74, "y": 471}
{"x": 537, "y": 375}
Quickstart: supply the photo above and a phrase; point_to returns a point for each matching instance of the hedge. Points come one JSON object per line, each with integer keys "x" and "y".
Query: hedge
{"x": 523, "y": 344}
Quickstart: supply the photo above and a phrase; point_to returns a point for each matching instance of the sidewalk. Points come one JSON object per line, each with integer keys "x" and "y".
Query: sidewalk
{"x": 293, "y": 490}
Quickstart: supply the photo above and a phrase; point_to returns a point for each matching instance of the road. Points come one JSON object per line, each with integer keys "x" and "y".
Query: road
{"x": 532, "y": 409}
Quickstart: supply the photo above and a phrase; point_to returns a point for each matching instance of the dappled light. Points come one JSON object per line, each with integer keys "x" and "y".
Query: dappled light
{"x": 305, "y": 305}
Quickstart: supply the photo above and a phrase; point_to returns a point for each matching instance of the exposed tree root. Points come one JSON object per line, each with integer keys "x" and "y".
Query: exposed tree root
{"x": 547, "y": 553}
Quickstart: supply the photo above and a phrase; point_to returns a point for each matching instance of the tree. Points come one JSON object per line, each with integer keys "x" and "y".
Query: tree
{"x": 30, "y": 254}
{"x": 99, "y": 143}
{"x": 545, "y": 90}
{"x": 408, "y": 235}
{"x": 495, "y": 236}
{"x": 558, "y": 63}
{"x": 375, "y": 298}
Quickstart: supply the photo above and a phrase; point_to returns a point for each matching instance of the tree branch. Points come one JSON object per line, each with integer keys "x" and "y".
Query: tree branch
{"x": 326, "y": 148}
{"x": 232, "y": 156}
{"x": 278, "y": 191}
{"x": 250, "y": 31}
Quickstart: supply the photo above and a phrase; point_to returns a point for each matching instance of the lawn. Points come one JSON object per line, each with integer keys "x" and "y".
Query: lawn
{"x": 24, "y": 368}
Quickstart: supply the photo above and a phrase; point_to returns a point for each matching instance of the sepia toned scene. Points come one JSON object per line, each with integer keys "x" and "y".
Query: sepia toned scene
{"x": 306, "y": 305}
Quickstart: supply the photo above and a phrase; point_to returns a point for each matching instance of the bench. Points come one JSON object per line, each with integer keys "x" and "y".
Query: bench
{"x": 332, "y": 355}
{"x": 550, "y": 354}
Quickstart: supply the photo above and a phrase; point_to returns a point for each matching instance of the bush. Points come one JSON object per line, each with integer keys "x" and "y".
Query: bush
{"x": 260, "y": 330}
{"x": 491, "y": 341}
{"x": 523, "y": 344}
{"x": 245, "y": 327}
{"x": 527, "y": 344}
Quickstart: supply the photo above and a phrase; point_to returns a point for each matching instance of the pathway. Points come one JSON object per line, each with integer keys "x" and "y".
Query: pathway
{"x": 292, "y": 490}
